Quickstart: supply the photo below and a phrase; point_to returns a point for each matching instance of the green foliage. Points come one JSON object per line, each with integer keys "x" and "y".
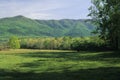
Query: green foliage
{"x": 91, "y": 44}
{"x": 14, "y": 42}
{"x": 22, "y": 26}
{"x": 106, "y": 13}
{"x": 64, "y": 43}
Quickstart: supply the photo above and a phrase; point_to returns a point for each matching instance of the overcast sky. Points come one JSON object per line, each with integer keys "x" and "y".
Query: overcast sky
{"x": 45, "y": 9}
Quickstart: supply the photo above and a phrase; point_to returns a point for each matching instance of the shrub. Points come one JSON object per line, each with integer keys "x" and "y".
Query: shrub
{"x": 88, "y": 44}
{"x": 14, "y": 42}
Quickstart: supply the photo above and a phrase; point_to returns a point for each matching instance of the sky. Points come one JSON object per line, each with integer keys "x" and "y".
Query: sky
{"x": 45, "y": 9}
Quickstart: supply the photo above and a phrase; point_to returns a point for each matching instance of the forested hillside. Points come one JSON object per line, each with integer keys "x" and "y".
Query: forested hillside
{"x": 22, "y": 26}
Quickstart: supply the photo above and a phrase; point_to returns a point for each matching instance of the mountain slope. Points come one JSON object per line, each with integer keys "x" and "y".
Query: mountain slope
{"x": 22, "y": 26}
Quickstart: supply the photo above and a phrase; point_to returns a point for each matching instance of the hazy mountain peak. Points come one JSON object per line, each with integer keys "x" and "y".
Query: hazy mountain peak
{"x": 19, "y": 16}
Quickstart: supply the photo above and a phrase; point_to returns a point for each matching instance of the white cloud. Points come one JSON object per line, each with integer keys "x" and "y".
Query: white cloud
{"x": 39, "y": 15}
{"x": 43, "y": 9}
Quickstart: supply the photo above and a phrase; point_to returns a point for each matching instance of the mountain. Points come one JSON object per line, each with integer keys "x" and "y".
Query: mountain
{"x": 22, "y": 26}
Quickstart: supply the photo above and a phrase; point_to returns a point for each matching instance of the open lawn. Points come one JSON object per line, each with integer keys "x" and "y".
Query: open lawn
{"x": 59, "y": 65}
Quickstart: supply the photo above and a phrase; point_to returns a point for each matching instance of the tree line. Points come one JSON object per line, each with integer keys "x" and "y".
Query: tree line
{"x": 61, "y": 43}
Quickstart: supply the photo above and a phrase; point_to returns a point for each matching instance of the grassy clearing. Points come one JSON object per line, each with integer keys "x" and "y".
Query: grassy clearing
{"x": 59, "y": 65}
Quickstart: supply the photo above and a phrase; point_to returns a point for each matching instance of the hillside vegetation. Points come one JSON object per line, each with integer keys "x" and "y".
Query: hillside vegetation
{"x": 22, "y": 26}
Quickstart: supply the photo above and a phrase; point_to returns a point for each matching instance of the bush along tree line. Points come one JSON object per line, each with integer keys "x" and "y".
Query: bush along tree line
{"x": 106, "y": 13}
{"x": 11, "y": 43}
{"x": 14, "y": 42}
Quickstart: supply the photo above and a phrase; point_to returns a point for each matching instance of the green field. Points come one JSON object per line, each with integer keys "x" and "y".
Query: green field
{"x": 59, "y": 65}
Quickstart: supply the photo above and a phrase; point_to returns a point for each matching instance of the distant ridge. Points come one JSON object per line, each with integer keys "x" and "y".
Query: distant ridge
{"x": 22, "y": 26}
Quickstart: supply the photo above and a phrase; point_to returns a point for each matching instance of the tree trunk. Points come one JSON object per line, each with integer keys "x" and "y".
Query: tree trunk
{"x": 116, "y": 43}
{"x": 119, "y": 42}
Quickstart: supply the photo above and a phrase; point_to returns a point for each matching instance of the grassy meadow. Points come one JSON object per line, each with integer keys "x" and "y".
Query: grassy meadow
{"x": 28, "y": 64}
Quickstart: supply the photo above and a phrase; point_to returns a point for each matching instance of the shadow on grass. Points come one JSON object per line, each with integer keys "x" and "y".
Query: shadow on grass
{"x": 112, "y": 58}
{"x": 77, "y": 56}
{"x": 108, "y": 73}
